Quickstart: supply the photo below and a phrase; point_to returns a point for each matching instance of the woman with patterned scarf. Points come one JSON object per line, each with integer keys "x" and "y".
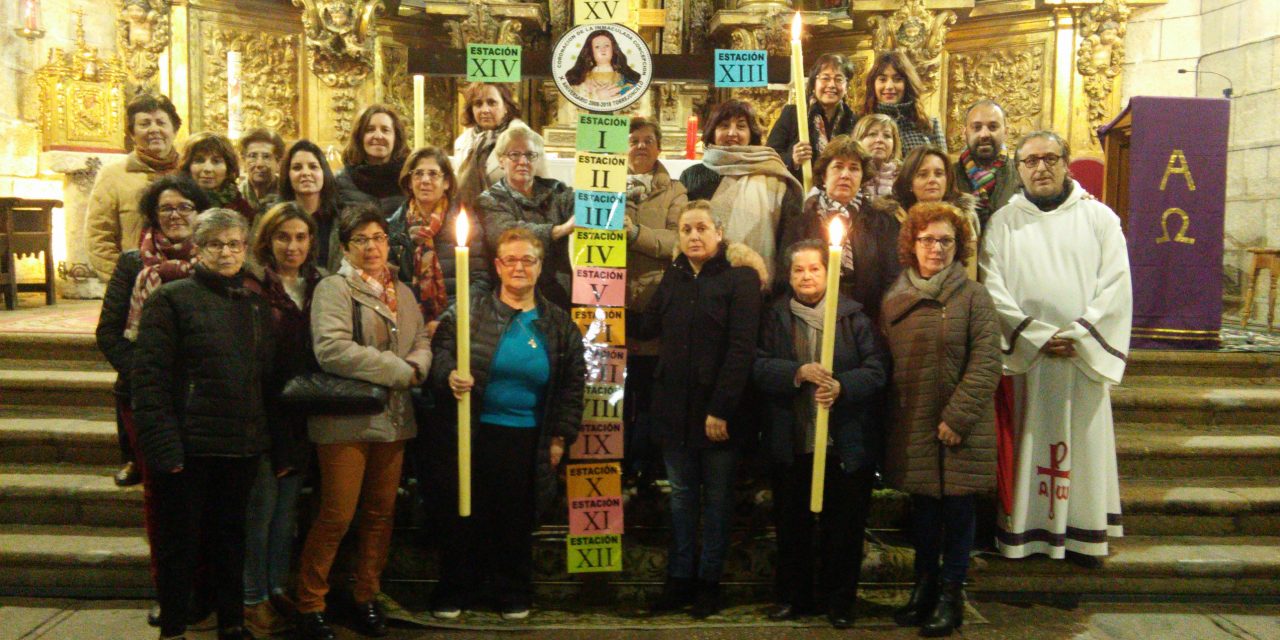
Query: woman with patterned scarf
{"x": 893, "y": 88}
{"x": 167, "y": 253}
{"x": 211, "y": 161}
{"x": 491, "y": 110}
{"x": 829, "y": 114}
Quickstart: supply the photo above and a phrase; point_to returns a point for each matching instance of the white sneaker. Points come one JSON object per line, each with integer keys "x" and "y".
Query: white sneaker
{"x": 515, "y": 614}
{"x": 447, "y": 613}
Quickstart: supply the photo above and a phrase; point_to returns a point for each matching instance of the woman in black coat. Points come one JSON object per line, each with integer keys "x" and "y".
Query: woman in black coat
{"x": 829, "y": 115}
{"x": 706, "y": 313}
{"x": 787, "y": 372}
{"x": 373, "y": 157}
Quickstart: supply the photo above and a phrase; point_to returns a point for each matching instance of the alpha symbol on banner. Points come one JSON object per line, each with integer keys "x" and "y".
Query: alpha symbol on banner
{"x": 1055, "y": 472}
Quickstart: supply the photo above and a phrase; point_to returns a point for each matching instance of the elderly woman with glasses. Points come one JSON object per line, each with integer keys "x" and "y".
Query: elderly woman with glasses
{"x": 200, "y": 375}
{"x": 541, "y": 205}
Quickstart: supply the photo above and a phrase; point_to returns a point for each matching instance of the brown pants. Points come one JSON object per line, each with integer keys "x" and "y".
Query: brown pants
{"x": 352, "y": 473}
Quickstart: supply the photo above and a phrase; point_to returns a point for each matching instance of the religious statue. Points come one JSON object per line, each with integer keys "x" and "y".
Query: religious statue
{"x": 1100, "y": 57}
{"x": 339, "y": 38}
{"x": 601, "y": 72}
{"x": 142, "y": 34}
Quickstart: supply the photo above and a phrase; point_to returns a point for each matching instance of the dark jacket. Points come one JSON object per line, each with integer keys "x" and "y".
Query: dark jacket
{"x": 115, "y": 315}
{"x": 377, "y": 182}
{"x": 861, "y": 366}
{"x": 946, "y": 365}
{"x": 708, "y": 324}
{"x": 874, "y": 238}
{"x": 785, "y": 134}
{"x": 403, "y": 251}
{"x": 201, "y": 367}
{"x": 562, "y": 403}
{"x": 1008, "y": 183}
{"x": 502, "y": 208}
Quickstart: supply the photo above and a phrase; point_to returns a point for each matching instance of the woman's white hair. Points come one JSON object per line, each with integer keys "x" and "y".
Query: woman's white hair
{"x": 519, "y": 131}
{"x": 215, "y": 221}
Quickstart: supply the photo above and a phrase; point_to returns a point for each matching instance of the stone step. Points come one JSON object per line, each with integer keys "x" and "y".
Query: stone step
{"x": 52, "y": 387}
{"x": 63, "y": 561}
{"x": 67, "y": 495}
{"x": 44, "y": 439}
{"x": 1230, "y": 506}
{"x": 42, "y": 347}
{"x": 1144, "y": 363}
{"x": 1171, "y": 455}
{"x": 1196, "y": 405}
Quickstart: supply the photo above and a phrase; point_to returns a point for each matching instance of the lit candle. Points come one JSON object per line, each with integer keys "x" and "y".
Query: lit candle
{"x": 835, "y": 232}
{"x": 235, "y": 110}
{"x": 462, "y": 258}
{"x": 802, "y": 100}
{"x": 31, "y": 15}
{"x": 419, "y": 90}
{"x": 691, "y": 138}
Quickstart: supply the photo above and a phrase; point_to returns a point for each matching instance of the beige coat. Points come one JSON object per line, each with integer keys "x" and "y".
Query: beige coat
{"x": 655, "y": 218}
{"x": 393, "y": 346}
{"x": 113, "y": 224}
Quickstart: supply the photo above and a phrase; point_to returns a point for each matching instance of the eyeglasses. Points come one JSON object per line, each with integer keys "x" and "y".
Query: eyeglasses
{"x": 930, "y": 242}
{"x": 516, "y": 156}
{"x": 260, "y": 156}
{"x": 377, "y": 238}
{"x": 510, "y": 262}
{"x": 1050, "y": 161}
{"x": 838, "y": 79}
{"x": 423, "y": 175}
{"x": 176, "y": 210}
{"x": 215, "y": 246}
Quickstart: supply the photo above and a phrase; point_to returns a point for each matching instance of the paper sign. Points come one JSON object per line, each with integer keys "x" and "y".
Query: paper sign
{"x": 598, "y": 441}
{"x": 600, "y": 172}
{"x": 601, "y": 11}
{"x": 599, "y": 209}
{"x": 593, "y": 480}
{"x": 595, "y": 516}
{"x": 603, "y": 403}
{"x": 603, "y": 134}
{"x": 736, "y": 68}
{"x": 599, "y": 286}
{"x": 606, "y": 365}
{"x": 606, "y": 325}
{"x": 493, "y": 63}
{"x": 588, "y": 554}
{"x": 599, "y": 248}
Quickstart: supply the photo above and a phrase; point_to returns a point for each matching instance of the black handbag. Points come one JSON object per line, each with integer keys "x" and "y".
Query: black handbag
{"x": 317, "y": 393}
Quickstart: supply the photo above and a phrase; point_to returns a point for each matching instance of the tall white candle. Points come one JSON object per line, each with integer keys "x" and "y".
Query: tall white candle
{"x": 419, "y": 104}
{"x": 462, "y": 255}
{"x": 826, "y": 357}
{"x": 802, "y": 100}
{"x": 235, "y": 108}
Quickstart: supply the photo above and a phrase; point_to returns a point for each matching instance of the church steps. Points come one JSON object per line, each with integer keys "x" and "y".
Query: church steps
{"x": 1224, "y": 506}
{"x": 57, "y": 439}
{"x": 1177, "y": 455}
{"x": 41, "y": 347}
{"x": 1144, "y": 363}
{"x": 1196, "y": 405}
{"x": 48, "y": 560}
{"x": 57, "y": 387}
{"x": 67, "y": 495}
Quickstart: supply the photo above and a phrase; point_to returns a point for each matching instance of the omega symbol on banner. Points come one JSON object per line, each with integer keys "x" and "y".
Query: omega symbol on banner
{"x": 601, "y": 67}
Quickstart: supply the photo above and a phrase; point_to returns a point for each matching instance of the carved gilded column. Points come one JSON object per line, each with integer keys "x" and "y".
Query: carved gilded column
{"x": 1099, "y": 59}
{"x": 919, "y": 29}
{"x": 339, "y": 39}
{"x": 142, "y": 38}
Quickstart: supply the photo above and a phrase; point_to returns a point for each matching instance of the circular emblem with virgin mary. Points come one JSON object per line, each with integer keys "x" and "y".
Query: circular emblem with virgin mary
{"x": 601, "y": 67}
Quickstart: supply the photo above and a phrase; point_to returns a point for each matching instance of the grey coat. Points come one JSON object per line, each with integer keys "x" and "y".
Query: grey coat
{"x": 393, "y": 346}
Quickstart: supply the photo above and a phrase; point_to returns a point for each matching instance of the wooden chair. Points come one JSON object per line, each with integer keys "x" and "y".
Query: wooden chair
{"x": 1263, "y": 258}
{"x": 26, "y": 227}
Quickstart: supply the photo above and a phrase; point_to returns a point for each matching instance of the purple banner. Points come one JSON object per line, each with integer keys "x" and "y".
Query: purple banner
{"x": 1177, "y": 197}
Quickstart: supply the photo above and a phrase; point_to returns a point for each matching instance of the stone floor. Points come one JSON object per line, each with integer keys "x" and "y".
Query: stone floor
{"x": 31, "y": 619}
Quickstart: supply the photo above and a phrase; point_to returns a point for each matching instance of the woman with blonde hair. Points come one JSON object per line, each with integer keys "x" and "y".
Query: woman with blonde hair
{"x": 878, "y": 134}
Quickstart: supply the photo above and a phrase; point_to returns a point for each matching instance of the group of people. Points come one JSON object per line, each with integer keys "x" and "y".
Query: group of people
{"x": 221, "y": 292}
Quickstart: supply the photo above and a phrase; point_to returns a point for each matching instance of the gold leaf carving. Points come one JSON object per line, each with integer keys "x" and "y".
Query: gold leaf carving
{"x": 481, "y": 26}
{"x": 339, "y": 39}
{"x": 142, "y": 34}
{"x": 81, "y": 97}
{"x": 398, "y": 92}
{"x": 1009, "y": 75}
{"x": 919, "y": 32}
{"x": 1100, "y": 57}
{"x": 269, "y": 84}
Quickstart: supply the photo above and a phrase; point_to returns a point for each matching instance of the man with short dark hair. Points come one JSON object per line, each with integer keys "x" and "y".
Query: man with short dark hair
{"x": 260, "y": 153}
{"x": 983, "y": 168}
{"x": 1057, "y": 268}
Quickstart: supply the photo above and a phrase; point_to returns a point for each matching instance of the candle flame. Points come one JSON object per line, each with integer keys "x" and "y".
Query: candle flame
{"x": 463, "y": 227}
{"x": 835, "y": 231}
{"x": 796, "y": 24}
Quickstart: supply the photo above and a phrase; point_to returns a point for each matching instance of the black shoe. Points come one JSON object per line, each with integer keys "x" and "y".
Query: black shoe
{"x": 785, "y": 611}
{"x": 1086, "y": 561}
{"x": 840, "y": 616}
{"x": 923, "y": 598}
{"x": 677, "y": 594}
{"x": 128, "y": 475}
{"x": 153, "y": 615}
{"x": 368, "y": 620}
{"x": 948, "y": 615}
{"x": 312, "y": 626}
{"x": 707, "y": 601}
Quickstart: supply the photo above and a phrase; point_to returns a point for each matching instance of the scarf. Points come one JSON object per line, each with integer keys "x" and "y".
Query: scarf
{"x": 828, "y": 207}
{"x": 383, "y": 284}
{"x": 166, "y": 164}
{"x": 428, "y": 277}
{"x": 749, "y": 199}
{"x": 819, "y": 120}
{"x": 929, "y": 287}
{"x": 377, "y": 180}
{"x": 806, "y": 335}
{"x": 223, "y": 197}
{"x": 881, "y": 183}
{"x": 1052, "y": 202}
{"x": 269, "y": 197}
{"x": 162, "y": 261}
{"x": 982, "y": 179}
{"x": 473, "y": 173}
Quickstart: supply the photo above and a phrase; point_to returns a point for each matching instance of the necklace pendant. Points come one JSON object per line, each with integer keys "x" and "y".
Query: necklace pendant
{"x": 533, "y": 344}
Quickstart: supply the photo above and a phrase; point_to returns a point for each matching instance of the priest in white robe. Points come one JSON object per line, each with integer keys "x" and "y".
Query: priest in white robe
{"x": 1057, "y": 267}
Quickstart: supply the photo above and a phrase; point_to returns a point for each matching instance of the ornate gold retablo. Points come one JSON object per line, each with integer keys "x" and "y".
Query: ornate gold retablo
{"x": 81, "y": 99}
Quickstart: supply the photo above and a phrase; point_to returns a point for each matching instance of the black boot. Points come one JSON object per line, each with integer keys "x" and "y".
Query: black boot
{"x": 923, "y": 598}
{"x": 707, "y": 602}
{"x": 313, "y": 626}
{"x": 949, "y": 614}
{"x": 368, "y": 619}
{"x": 677, "y": 594}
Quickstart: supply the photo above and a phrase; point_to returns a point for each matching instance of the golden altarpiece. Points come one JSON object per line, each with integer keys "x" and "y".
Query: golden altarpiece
{"x": 308, "y": 66}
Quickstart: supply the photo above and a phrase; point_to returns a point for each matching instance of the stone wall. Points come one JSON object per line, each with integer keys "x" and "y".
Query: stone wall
{"x": 1241, "y": 40}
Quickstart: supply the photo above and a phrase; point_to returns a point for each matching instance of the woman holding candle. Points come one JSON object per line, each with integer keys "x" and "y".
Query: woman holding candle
{"x": 788, "y": 372}
{"x": 829, "y": 115}
{"x": 945, "y": 338}
{"x": 749, "y": 187}
{"x": 869, "y": 260}
{"x": 212, "y": 162}
{"x": 878, "y": 134}
{"x": 360, "y": 456}
{"x": 491, "y": 108}
{"x": 373, "y": 157}
{"x": 893, "y": 88}
{"x": 927, "y": 176}
{"x": 526, "y": 390}
{"x": 706, "y": 313}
